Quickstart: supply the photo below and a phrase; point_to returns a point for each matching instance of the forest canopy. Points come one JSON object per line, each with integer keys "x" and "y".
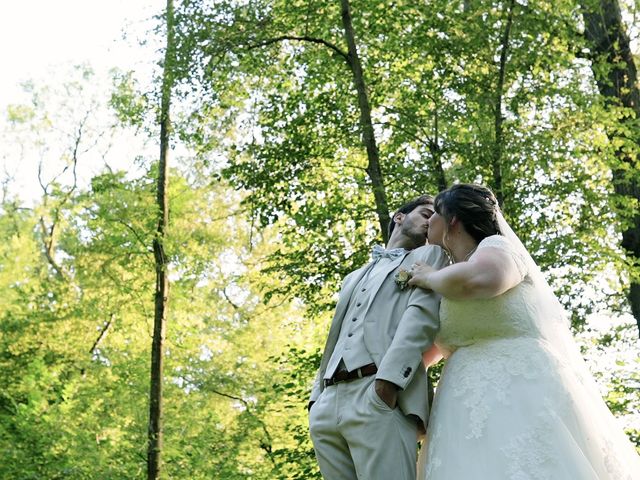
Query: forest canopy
{"x": 168, "y": 319}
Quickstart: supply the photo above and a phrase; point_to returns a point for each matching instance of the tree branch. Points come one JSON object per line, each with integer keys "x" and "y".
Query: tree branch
{"x": 304, "y": 38}
{"x": 224, "y": 293}
{"x": 48, "y": 249}
{"x": 102, "y": 334}
{"x": 135, "y": 234}
{"x": 266, "y": 446}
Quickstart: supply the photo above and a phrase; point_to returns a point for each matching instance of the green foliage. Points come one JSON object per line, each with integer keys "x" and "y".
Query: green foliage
{"x": 296, "y": 368}
{"x": 74, "y": 351}
{"x": 281, "y": 108}
{"x": 130, "y": 106}
{"x": 270, "y": 207}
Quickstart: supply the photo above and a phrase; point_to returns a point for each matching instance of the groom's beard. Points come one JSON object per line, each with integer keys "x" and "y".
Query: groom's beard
{"x": 418, "y": 238}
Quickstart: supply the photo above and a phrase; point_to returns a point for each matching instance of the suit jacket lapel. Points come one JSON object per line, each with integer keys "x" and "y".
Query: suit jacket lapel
{"x": 379, "y": 280}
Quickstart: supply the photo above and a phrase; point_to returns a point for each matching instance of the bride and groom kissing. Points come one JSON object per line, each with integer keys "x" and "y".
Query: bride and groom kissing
{"x": 514, "y": 401}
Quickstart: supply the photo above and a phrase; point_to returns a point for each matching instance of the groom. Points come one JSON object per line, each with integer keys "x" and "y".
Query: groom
{"x": 369, "y": 398}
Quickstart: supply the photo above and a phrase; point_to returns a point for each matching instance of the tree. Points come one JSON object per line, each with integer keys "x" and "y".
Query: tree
{"x": 482, "y": 91}
{"x": 616, "y": 75}
{"x": 270, "y": 206}
{"x": 161, "y": 295}
{"x": 61, "y": 392}
{"x": 374, "y": 169}
{"x": 489, "y": 92}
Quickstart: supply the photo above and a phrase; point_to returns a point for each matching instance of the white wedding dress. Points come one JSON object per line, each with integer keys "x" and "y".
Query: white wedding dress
{"x": 512, "y": 405}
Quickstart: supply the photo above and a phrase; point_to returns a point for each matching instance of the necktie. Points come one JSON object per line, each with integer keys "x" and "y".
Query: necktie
{"x": 380, "y": 252}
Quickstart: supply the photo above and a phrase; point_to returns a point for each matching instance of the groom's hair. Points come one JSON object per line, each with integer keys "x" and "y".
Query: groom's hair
{"x": 410, "y": 207}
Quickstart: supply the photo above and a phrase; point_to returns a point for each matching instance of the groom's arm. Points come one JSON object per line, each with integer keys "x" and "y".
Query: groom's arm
{"x": 416, "y": 329}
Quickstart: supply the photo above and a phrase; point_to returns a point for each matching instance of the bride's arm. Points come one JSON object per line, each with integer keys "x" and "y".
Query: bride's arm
{"x": 489, "y": 273}
{"x": 431, "y": 356}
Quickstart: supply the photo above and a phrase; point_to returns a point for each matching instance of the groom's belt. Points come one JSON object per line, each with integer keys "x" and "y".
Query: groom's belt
{"x": 365, "y": 371}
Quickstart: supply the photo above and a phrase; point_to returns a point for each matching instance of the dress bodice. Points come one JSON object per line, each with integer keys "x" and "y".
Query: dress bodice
{"x": 466, "y": 322}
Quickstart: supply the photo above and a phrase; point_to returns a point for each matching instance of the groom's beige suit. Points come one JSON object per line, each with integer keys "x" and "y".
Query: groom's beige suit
{"x": 356, "y": 435}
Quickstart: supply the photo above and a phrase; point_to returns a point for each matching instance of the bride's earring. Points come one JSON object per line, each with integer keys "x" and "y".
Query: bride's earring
{"x": 445, "y": 246}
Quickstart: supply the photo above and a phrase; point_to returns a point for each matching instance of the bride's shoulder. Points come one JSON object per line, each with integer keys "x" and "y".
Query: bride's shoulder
{"x": 496, "y": 241}
{"x": 502, "y": 243}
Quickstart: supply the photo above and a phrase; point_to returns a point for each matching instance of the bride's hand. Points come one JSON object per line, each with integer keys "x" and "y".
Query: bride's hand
{"x": 419, "y": 274}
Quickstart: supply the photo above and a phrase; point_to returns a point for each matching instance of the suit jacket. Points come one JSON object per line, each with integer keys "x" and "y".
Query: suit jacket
{"x": 398, "y": 326}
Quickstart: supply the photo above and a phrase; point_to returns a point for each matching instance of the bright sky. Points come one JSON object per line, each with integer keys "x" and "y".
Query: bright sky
{"x": 43, "y": 39}
{"x": 39, "y": 34}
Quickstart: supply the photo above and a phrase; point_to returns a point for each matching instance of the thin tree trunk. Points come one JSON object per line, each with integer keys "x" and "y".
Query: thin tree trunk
{"x": 368, "y": 136}
{"x": 436, "y": 155}
{"x": 155, "y": 435}
{"x": 498, "y": 145}
{"x": 374, "y": 170}
{"x": 436, "y": 151}
{"x": 609, "y": 44}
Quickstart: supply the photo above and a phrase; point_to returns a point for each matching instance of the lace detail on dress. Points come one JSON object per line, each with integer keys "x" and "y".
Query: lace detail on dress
{"x": 531, "y": 455}
{"x": 433, "y": 462}
{"x": 489, "y": 366}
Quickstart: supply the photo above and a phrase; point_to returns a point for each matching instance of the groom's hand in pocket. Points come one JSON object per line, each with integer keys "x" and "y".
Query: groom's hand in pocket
{"x": 388, "y": 392}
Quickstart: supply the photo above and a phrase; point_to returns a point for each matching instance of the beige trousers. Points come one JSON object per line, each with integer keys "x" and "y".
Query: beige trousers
{"x": 356, "y": 436}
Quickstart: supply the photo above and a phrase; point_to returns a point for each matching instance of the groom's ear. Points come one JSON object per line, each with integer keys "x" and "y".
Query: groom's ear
{"x": 398, "y": 218}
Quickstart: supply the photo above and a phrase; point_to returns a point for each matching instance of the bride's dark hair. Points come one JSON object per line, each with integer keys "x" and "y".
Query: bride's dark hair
{"x": 473, "y": 205}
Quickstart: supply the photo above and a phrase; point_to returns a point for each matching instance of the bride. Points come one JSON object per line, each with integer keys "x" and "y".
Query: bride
{"x": 515, "y": 400}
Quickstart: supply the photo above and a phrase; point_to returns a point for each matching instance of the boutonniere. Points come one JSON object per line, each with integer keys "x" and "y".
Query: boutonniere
{"x": 402, "y": 278}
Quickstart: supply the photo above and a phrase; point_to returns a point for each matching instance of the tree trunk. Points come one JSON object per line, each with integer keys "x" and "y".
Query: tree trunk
{"x": 436, "y": 151}
{"x": 155, "y": 435}
{"x": 609, "y": 44}
{"x": 368, "y": 136}
{"x": 498, "y": 145}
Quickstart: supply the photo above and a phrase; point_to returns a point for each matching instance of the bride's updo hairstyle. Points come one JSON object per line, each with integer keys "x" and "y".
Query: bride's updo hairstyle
{"x": 473, "y": 205}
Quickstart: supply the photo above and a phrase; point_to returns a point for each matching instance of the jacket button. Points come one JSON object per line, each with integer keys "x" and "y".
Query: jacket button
{"x": 407, "y": 372}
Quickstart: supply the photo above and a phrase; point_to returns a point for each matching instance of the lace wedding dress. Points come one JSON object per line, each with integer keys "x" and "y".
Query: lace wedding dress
{"x": 513, "y": 405}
